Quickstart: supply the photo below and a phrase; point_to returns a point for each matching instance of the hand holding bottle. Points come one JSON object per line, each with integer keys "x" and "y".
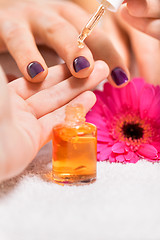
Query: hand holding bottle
{"x": 29, "y": 111}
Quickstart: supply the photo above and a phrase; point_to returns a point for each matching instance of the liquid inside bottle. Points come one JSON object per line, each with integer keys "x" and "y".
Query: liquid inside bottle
{"x": 74, "y": 148}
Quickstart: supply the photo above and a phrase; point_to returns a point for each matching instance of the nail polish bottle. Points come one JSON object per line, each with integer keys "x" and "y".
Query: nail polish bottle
{"x": 74, "y": 148}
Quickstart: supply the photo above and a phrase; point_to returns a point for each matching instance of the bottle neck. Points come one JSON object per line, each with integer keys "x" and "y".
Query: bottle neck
{"x": 75, "y": 115}
{"x": 74, "y": 123}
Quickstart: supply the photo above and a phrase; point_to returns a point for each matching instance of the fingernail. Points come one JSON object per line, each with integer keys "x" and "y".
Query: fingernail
{"x": 34, "y": 68}
{"x": 119, "y": 76}
{"x": 80, "y": 63}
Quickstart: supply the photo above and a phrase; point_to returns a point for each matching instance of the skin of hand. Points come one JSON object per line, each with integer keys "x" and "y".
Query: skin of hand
{"x": 57, "y": 24}
{"x": 142, "y": 23}
{"x": 29, "y": 111}
{"x": 143, "y": 15}
{"x": 129, "y": 42}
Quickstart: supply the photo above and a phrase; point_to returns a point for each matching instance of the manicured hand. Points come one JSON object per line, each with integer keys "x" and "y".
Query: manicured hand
{"x": 56, "y": 24}
{"x": 29, "y": 111}
{"x": 144, "y": 15}
{"x": 137, "y": 49}
{"x": 142, "y": 23}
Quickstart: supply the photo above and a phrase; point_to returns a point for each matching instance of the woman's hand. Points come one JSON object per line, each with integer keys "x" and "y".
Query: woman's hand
{"x": 144, "y": 15}
{"x": 142, "y": 23}
{"x": 29, "y": 111}
{"x": 56, "y": 24}
{"x": 130, "y": 43}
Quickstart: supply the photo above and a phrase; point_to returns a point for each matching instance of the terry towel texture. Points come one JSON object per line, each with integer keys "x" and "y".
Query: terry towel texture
{"x": 123, "y": 204}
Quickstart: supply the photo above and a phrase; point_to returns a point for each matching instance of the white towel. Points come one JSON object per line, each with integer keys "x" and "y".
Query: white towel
{"x": 123, "y": 204}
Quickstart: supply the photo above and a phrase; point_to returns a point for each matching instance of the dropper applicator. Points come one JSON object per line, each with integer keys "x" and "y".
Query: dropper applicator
{"x": 111, "y": 5}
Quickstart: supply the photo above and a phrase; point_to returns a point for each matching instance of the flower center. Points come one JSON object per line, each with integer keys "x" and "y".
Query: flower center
{"x": 132, "y": 130}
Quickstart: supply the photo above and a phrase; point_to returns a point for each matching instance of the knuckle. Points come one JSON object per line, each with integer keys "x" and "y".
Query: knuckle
{"x": 11, "y": 30}
{"x": 34, "y": 9}
{"x": 56, "y": 96}
{"x": 68, "y": 49}
{"x": 54, "y": 27}
{"x": 61, "y": 7}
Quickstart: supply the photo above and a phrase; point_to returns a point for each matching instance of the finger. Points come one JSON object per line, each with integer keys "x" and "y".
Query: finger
{"x": 9, "y": 168}
{"x": 118, "y": 36}
{"x": 21, "y": 44}
{"x": 26, "y": 89}
{"x": 144, "y": 8}
{"x": 2, "y": 46}
{"x": 52, "y": 98}
{"x": 105, "y": 50}
{"x": 147, "y": 54}
{"x": 60, "y": 35}
{"x": 47, "y": 122}
{"x": 102, "y": 48}
{"x": 146, "y": 25}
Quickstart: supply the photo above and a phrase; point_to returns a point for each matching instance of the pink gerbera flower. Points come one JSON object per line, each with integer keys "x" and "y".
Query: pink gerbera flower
{"x": 128, "y": 122}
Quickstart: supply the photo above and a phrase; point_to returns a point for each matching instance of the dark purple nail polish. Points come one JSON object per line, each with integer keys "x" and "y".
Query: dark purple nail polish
{"x": 34, "y": 68}
{"x": 80, "y": 63}
{"x": 119, "y": 76}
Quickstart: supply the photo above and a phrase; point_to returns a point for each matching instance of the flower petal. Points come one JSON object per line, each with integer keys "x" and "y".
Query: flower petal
{"x": 148, "y": 151}
{"x": 116, "y": 97}
{"x": 112, "y": 157}
{"x": 139, "y": 83}
{"x": 111, "y": 105}
{"x": 112, "y": 97}
{"x": 97, "y": 120}
{"x": 156, "y": 145}
{"x": 107, "y": 113}
{"x": 146, "y": 100}
{"x": 104, "y": 154}
{"x": 124, "y": 97}
{"x": 118, "y": 148}
{"x": 134, "y": 159}
{"x": 157, "y": 90}
{"x": 155, "y": 108}
{"x": 133, "y": 98}
{"x": 103, "y": 138}
{"x": 100, "y": 146}
{"x": 120, "y": 158}
{"x": 107, "y": 89}
{"x": 129, "y": 156}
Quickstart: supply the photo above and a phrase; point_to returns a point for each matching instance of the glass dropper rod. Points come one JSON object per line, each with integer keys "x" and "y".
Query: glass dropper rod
{"x": 91, "y": 25}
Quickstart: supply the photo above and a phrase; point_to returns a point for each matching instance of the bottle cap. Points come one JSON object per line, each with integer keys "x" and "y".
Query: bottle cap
{"x": 113, "y": 4}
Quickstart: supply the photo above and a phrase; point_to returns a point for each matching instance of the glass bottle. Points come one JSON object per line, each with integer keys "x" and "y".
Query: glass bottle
{"x": 74, "y": 148}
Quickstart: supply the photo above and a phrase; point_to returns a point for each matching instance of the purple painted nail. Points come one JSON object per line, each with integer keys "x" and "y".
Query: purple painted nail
{"x": 119, "y": 76}
{"x": 80, "y": 63}
{"x": 34, "y": 68}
